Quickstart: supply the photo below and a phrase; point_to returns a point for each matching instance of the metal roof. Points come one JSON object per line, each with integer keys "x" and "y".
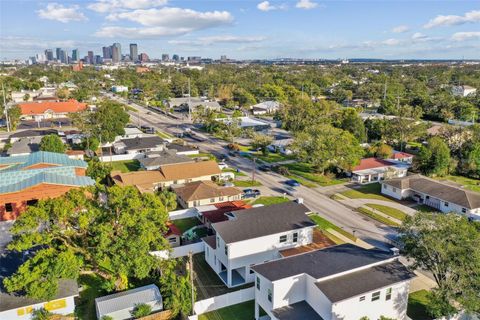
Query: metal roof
{"x": 40, "y": 157}
{"x": 127, "y": 299}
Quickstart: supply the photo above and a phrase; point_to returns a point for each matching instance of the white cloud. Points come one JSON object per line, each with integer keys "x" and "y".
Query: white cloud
{"x": 306, "y": 4}
{"x": 209, "y": 40}
{"x": 400, "y": 29}
{"x": 391, "y": 42}
{"x": 453, "y": 20}
{"x": 463, "y": 36}
{"x": 164, "y": 22}
{"x": 266, "y": 6}
{"x": 104, "y": 6}
{"x": 58, "y": 12}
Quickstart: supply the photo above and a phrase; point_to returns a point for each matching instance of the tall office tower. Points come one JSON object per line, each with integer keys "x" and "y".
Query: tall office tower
{"x": 75, "y": 55}
{"x": 175, "y": 57}
{"x": 90, "y": 57}
{"x": 64, "y": 58}
{"x": 49, "y": 54}
{"x": 58, "y": 53}
{"x": 223, "y": 58}
{"x": 107, "y": 52}
{"x": 133, "y": 52}
{"x": 165, "y": 57}
{"x": 116, "y": 52}
{"x": 98, "y": 59}
{"x": 144, "y": 57}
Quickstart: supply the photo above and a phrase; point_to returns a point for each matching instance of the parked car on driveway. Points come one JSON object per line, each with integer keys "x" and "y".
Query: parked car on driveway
{"x": 264, "y": 168}
{"x": 292, "y": 183}
{"x": 250, "y": 193}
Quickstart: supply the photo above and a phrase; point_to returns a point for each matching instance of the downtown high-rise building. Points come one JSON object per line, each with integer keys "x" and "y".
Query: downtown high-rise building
{"x": 63, "y": 56}
{"x": 49, "y": 54}
{"x": 133, "y": 52}
{"x": 107, "y": 52}
{"x": 75, "y": 55}
{"x": 116, "y": 52}
{"x": 58, "y": 53}
{"x": 90, "y": 57}
{"x": 165, "y": 57}
{"x": 175, "y": 57}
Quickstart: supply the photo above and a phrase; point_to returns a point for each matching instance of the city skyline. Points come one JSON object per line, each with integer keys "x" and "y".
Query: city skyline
{"x": 246, "y": 29}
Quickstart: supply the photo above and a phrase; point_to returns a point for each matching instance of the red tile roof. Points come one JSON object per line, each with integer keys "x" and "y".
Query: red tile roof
{"x": 222, "y": 208}
{"x": 371, "y": 163}
{"x": 172, "y": 229}
{"x": 33, "y": 108}
{"x": 401, "y": 155}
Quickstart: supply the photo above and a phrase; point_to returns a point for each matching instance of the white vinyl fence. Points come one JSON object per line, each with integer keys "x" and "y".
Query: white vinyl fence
{"x": 183, "y": 213}
{"x": 224, "y": 300}
{"x": 181, "y": 251}
{"x": 121, "y": 157}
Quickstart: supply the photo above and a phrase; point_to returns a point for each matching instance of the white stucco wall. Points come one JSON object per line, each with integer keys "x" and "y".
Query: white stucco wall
{"x": 289, "y": 291}
{"x": 60, "y": 306}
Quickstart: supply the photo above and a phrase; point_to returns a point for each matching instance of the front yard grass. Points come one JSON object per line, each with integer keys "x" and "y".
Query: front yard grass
{"x": 468, "y": 183}
{"x": 241, "y": 311}
{"x": 125, "y": 166}
{"x": 186, "y": 223}
{"x": 273, "y": 157}
{"x": 246, "y": 183}
{"x": 164, "y": 135}
{"x": 207, "y": 282}
{"x": 377, "y": 217}
{"x": 237, "y": 173}
{"x": 202, "y": 155}
{"x": 267, "y": 201}
{"x": 323, "y": 224}
{"x": 417, "y": 305}
{"x": 392, "y": 212}
{"x": 424, "y": 208}
{"x": 368, "y": 191}
{"x": 306, "y": 171}
{"x": 91, "y": 288}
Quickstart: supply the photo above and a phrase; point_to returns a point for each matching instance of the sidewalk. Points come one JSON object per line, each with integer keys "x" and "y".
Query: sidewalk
{"x": 357, "y": 203}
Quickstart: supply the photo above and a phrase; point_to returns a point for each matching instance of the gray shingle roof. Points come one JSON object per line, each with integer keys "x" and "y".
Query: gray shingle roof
{"x": 164, "y": 158}
{"x": 296, "y": 311}
{"x": 322, "y": 263}
{"x": 262, "y": 221}
{"x": 142, "y": 142}
{"x": 464, "y": 198}
{"x": 127, "y": 299}
{"x": 357, "y": 283}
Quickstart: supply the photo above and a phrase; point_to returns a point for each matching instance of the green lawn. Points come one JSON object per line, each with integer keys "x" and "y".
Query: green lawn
{"x": 368, "y": 191}
{"x": 377, "y": 217}
{"x": 392, "y": 212}
{"x": 202, "y": 155}
{"x": 306, "y": 171}
{"x": 241, "y": 311}
{"x": 85, "y": 306}
{"x": 185, "y": 224}
{"x": 125, "y": 166}
{"x": 273, "y": 157}
{"x": 468, "y": 183}
{"x": 267, "y": 201}
{"x": 237, "y": 174}
{"x": 424, "y": 208}
{"x": 246, "y": 183}
{"x": 417, "y": 305}
{"x": 324, "y": 224}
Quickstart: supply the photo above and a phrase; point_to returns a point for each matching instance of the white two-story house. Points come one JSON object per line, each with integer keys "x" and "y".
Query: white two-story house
{"x": 254, "y": 236}
{"x": 439, "y": 195}
{"x": 340, "y": 282}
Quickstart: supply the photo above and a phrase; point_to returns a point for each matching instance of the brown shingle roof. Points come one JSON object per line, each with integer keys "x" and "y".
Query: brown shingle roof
{"x": 145, "y": 180}
{"x": 465, "y": 198}
{"x": 199, "y": 190}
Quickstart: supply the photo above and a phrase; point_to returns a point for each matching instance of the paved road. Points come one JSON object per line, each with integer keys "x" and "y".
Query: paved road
{"x": 367, "y": 229}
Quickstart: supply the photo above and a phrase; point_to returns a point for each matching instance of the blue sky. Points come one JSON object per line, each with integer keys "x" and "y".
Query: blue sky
{"x": 246, "y": 29}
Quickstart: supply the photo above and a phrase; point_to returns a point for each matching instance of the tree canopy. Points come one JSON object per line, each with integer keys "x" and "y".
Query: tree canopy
{"x": 52, "y": 143}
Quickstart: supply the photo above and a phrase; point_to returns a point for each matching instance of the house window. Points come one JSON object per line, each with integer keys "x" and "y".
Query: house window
{"x": 172, "y": 240}
{"x": 32, "y": 202}
{"x": 269, "y": 295}
{"x": 212, "y": 200}
{"x": 389, "y": 294}
{"x": 295, "y": 237}
{"x": 8, "y": 207}
{"x": 376, "y": 296}
{"x": 283, "y": 239}
{"x": 384, "y": 186}
{"x": 464, "y": 210}
{"x": 218, "y": 242}
{"x": 226, "y": 250}
{"x": 394, "y": 189}
{"x": 258, "y": 283}
{"x": 446, "y": 204}
{"x": 427, "y": 197}
{"x": 362, "y": 298}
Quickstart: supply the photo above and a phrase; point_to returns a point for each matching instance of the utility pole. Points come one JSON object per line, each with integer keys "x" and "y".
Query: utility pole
{"x": 190, "y": 259}
{"x": 5, "y": 109}
{"x": 254, "y": 167}
{"x": 385, "y": 91}
{"x": 189, "y": 103}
